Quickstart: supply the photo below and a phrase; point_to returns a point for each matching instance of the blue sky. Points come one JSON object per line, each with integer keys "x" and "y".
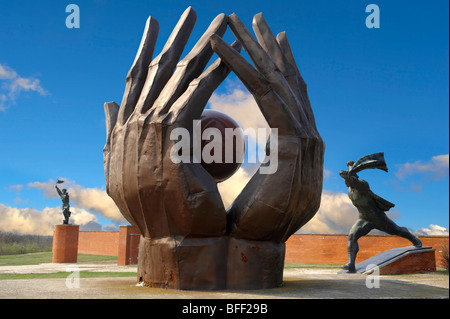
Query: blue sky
{"x": 372, "y": 90}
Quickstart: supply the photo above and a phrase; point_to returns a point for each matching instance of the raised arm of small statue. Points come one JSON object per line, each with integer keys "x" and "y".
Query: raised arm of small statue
{"x": 58, "y": 190}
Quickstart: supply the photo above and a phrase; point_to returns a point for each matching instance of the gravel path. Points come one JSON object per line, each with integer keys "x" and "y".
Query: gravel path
{"x": 298, "y": 283}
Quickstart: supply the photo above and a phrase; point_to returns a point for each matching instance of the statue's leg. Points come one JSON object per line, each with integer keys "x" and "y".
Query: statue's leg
{"x": 359, "y": 229}
{"x": 66, "y": 214}
{"x": 390, "y": 227}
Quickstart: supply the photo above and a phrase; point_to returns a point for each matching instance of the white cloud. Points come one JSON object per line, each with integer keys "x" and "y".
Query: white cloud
{"x": 97, "y": 200}
{"x": 336, "y": 215}
{"x": 6, "y": 73}
{"x": 48, "y": 188}
{"x": 231, "y": 188}
{"x": 86, "y": 205}
{"x": 15, "y": 188}
{"x": 12, "y": 84}
{"x": 36, "y": 222}
{"x": 436, "y": 168}
{"x": 432, "y": 230}
{"x": 87, "y": 198}
{"x": 327, "y": 173}
{"x": 238, "y": 103}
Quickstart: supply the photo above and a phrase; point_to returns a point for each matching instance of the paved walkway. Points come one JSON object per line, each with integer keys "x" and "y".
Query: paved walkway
{"x": 298, "y": 283}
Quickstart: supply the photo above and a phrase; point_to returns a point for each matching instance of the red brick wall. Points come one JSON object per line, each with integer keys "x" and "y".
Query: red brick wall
{"x": 300, "y": 248}
{"x": 332, "y": 249}
{"x": 98, "y": 243}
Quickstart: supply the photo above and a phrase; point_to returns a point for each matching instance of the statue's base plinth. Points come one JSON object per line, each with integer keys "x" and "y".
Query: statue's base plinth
{"x": 403, "y": 260}
{"x": 210, "y": 263}
{"x": 65, "y": 244}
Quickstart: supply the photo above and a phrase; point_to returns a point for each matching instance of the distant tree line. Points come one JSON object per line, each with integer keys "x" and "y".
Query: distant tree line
{"x": 14, "y": 243}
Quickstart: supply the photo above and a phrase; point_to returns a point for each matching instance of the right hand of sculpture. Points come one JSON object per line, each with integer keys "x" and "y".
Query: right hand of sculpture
{"x": 274, "y": 206}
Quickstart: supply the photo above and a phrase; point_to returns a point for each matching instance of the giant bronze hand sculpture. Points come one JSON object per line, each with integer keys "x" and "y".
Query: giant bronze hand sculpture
{"x": 188, "y": 239}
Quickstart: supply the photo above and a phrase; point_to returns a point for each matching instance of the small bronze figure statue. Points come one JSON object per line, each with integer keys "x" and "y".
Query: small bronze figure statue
{"x": 65, "y": 199}
{"x": 371, "y": 207}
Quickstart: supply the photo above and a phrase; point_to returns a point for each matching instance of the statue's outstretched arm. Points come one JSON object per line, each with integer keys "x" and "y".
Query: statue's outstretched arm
{"x": 354, "y": 182}
{"x": 58, "y": 190}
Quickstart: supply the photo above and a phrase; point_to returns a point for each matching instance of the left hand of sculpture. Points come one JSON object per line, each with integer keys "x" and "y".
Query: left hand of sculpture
{"x": 157, "y": 196}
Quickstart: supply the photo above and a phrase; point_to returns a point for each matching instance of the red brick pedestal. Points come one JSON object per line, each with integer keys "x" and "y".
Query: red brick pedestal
{"x": 65, "y": 244}
{"x": 128, "y": 246}
{"x": 402, "y": 260}
{"x": 416, "y": 262}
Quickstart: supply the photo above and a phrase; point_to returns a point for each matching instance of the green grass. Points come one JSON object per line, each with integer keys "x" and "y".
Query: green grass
{"x": 26, "y": 259}
{"x": 63, "y": 274}
{"x": 46, "y": 257}
{"x": 37, "y": 258}
{"x": 307, "y": 265}
{"x": 442, "y": 271}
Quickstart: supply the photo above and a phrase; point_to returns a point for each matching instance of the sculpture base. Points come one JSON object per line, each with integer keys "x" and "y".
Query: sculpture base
{"x": 403, "y": 260}
{"x": 254, "y": 264}
{"x": 65, "y": 244}
{"x": 210, "y": 263}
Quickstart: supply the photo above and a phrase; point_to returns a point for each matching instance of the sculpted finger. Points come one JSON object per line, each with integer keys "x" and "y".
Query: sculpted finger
{"x": 273, "y": 48}
{"x": 273, "y": 108}
{"x": 250, "y": 77}
{"x": 270, "y": 44}
{"x": 138, "y": 72}
{"x": 190, "y": 67}
{"x": 265, "y": 64}
{"x": 287, "y": 52}
{"x": 161, "y": 68}
{"x": 296, "y": 80}
{"x": 191, "y": 104}
{"x": 111, "y": 113}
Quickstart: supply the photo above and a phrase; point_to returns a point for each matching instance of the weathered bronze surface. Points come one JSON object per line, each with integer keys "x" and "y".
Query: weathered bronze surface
{"x": 189, "y": 240}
